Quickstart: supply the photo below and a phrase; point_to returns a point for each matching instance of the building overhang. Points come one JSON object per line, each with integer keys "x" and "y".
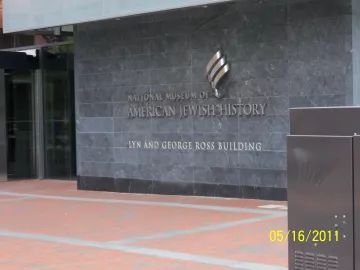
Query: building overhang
{"x": 25, "y": 15}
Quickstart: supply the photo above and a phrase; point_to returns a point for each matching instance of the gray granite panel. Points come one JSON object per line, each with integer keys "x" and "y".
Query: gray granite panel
{"x": 271, "y": 15}
{"x": 131, "y": 78}
{"x": 317, "y": 101}
{"x": 101, "y": 65}
{"x": 171, "y": 157}
{"x": 319, "y": 9}
{"x": 168, "y": 125}
{"x": 94, "y": 95}
{"x": 96, "y": 110}
{"x": 332, "y": 49}
{"x": 171, "y": 75}
{"x": 95, "y": 124}
{"x": 328, "y": 84}
{"x": 170, "y": 60}
{"x": 319, "y": 28}
{"x": 160, "y": 172}
{"x": 129, "y": 47}
{"x": 120, "y": 109}
{"x": 95, "y": 139}
{"x": 167, "y": 28}
{"x": 136, "y": 125}
{"x": 287, "y": 54}
{"x": 99, "y": 169}
{"x": 269, "y": 87}
{"x": 217, "y": 175}
{"x": 133, "y": 156}
{"x": 317, "y": 69}
{"x": 216, "y": 125}
{"x": 174, "y": 173}
{"x": 260, "y": 52}
{"x": 95, "y": 80}
{"x": 96, "y": 154}
{"x": 131, "y": 171}
{"x": 274, "y": 33}
{"x": 263, "y": 160}
{"x": 267, "y": 124}
{"x": 214, "y": 158}
{"x": 253, "y": 70}
{"x": 110, "y": 65}
{"x": 88, "y": 50}
{"x": 137, "y": 62}
{"x": 198, "y": 74}
{"x": 212, "y": 39}
{"x": 167, "y": 44}
{"x": 263, "y": 178}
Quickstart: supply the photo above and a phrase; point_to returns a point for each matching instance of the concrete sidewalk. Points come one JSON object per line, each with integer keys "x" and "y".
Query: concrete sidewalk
{"x": 51, "y": 225}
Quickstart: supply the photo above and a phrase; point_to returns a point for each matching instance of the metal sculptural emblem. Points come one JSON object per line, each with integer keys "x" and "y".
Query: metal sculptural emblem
{"x": 216, "y": 70}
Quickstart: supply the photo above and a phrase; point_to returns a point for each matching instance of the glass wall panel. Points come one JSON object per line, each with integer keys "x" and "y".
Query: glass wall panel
{"x": 58, "y": 88}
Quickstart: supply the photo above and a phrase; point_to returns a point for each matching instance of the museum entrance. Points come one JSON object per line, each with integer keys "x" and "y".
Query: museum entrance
{"x": 20, "y": 124}
{"x": 37, "y": 115}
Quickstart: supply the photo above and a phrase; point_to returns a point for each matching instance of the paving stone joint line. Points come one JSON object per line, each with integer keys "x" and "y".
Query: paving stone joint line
{"x": 165, "y": 204}
{"x": 219, "y": 226}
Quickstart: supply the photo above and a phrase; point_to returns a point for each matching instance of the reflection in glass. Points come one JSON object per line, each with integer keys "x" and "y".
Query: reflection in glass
{"x": 59, "y": 136}
{"x": 16, "y": 40}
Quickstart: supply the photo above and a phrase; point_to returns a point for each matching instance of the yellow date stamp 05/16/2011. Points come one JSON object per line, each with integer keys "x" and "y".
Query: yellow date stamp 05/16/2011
{"x": 304, "y": 236}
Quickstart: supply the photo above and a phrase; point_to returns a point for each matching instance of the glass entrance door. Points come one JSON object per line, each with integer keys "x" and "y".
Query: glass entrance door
{"x": 38, "y": 114}
{"x": 20, "y": 122}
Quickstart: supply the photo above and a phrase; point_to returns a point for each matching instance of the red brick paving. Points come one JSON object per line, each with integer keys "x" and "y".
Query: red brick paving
{"x": 231, "y": 243}
{"x": 64, "y": 189}
{"x": 103, "y": 221}
{"x": 37, "y": 255}
{"x": 72, "y": 219}
{"x": 4, "y": 197}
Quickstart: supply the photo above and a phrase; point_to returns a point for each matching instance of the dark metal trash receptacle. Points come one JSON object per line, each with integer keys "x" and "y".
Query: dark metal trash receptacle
{"x": 323, "y": 150}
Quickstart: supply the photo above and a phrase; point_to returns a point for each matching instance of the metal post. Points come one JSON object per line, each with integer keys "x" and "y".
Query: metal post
{"x": 39, "y": 123}
{"x": 3, "y": 139}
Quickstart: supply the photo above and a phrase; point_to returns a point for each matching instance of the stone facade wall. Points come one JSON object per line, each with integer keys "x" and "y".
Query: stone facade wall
{"x": 287, "y": 55}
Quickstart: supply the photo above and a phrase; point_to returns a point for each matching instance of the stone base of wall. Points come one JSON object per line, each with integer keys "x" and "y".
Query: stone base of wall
{"x": 179, "y": 188}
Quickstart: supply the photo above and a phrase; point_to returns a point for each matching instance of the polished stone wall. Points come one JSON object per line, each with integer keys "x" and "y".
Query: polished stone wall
{"x": 287, "y": 54}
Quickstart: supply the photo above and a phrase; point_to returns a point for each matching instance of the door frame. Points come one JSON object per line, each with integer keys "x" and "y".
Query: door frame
{"x": 10, "y": 61}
